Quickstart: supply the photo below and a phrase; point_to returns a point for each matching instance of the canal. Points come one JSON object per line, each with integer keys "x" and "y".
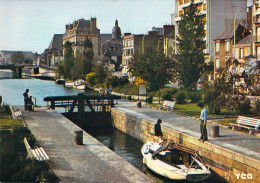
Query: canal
{"x": 125, "y": 146}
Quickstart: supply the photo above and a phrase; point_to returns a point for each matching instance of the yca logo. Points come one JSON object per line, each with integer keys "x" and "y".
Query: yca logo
{"x": 244, "y": 176}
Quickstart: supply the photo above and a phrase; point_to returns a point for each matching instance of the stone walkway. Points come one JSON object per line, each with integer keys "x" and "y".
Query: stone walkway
{"x": 91, "y": 162}
{"x": 234, "y": 140}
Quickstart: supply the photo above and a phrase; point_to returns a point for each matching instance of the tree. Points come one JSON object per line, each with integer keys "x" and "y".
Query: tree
{"x": 18, "y": 58}
{"x": 152, "y": 67}
{"x": 189, "y": 59}
{"x": 68, "y": 62}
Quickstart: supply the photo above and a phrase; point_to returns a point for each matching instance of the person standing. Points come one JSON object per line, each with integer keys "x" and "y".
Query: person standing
{"x": 26, "y": 99}
{"x": 203, "y": 123}
{"x": 157, "y": 128}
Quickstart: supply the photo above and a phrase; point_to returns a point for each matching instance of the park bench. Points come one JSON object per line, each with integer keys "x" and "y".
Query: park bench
{"x": 252, "y": 124}
{"x": 36, "y": 154}
{"x": 167, "y": 105}
{"x": 15, "y": 113}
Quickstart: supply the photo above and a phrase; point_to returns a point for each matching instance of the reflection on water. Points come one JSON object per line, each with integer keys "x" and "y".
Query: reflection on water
{"x": 6, "y": 74}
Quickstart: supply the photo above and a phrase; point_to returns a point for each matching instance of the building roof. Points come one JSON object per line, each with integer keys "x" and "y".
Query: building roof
{"x": 105, "y": 37}
{"x": 229, "y": 32}
{"x": 56, "y": 42}
{"x": 247, "y": 40}
{"x": 83, "y": 24}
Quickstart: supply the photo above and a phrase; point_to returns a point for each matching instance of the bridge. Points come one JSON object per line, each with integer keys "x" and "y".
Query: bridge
{"x": 41, "y": 72}
{"x": 97, "y": 115}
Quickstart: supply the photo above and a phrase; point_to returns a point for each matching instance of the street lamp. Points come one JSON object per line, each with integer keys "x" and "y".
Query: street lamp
{"x": 235, "y": 30}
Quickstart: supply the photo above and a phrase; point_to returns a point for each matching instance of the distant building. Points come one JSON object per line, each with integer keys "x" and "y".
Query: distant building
{"x": 137, "y": 44}
{"x": 54, "y": 53}
{"x": 169, "y": 44}
{"x": 77, "y": 32}
{"x": 112, "y": 49}
{"x": 256, "y": 28}
{"x": 218, "y": 15}
{"x": 6, "y": 56}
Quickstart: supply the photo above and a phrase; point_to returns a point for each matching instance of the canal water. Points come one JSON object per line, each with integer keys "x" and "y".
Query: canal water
{"x": 127, "y": 147}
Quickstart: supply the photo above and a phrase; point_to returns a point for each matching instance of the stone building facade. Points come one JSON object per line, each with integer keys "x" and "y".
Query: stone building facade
{"x": 77, "y": 32}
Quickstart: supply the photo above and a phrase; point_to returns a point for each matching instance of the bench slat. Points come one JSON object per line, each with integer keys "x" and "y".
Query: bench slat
{"x": 251, "y": 124}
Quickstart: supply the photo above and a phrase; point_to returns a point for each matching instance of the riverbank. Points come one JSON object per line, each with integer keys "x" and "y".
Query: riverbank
{"x": 229, "y": 154}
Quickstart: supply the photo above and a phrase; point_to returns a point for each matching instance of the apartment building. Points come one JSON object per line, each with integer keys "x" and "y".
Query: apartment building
{"x": 218, "y": 15}
{"x": 77, "y": 32}
{"x": 54, "y": 53}
{"x": 224, "y": 42}
{"x": 137, "y": 44}
{"x": 256, "y": 28}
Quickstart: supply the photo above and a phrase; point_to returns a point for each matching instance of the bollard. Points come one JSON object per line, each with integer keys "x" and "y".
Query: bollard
{"x": 78, "y": 137}
{"x": 139, "y": 104}
{"x": 215, "y": 131}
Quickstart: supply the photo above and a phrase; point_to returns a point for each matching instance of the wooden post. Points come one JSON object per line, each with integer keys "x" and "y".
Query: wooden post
{"x": 81, "y": 109}
{"x": 53, "y": 104}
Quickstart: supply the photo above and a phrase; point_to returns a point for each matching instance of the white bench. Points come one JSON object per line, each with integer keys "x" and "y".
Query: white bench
{"x": 36, "y": 154}
{"x": 252, "y": 124}
{"x": 167, "y": 105}
{"x": 15, "y": 114}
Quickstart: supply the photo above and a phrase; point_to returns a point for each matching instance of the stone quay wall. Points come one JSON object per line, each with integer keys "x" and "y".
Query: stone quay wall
{"x": 226, "y": 165}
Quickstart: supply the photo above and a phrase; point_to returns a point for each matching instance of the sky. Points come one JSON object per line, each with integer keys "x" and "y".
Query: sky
{"x": 29, "y": 25}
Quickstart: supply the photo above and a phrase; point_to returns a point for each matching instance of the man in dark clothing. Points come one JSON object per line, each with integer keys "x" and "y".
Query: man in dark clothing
{"x": 157, "y": 128}
{"x": 26, "y": 98}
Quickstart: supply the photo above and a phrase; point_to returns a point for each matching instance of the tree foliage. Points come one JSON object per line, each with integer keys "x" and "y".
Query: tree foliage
{"x": 18, "y": 57}
{"x": 189, "y": 59}
{"x": 75, "y": 67}
{"x": 152, "y": 67}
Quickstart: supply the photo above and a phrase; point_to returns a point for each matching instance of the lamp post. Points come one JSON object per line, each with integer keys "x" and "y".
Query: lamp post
{"x": 235, "y": 30}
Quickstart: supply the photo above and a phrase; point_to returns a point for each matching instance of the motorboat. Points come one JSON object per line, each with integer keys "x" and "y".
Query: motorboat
{"x": 174, "y": 161}
{"x": 69, "y": 83}
{"x": 80, "y": 84}
{"x": 60, "y": 81}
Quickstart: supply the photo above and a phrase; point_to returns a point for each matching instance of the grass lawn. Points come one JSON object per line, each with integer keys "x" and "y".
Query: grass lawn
{"x": 11, "y": 123}
{"x": 190, "y": 109}
{"x": 226, "y": 122}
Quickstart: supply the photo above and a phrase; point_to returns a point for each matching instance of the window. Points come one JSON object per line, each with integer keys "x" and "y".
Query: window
{"x": 132, "y": 42}
{"x": 241, "y": 53}
{"x": 217, "y": 63}
{"x": 227, "y": 45}
{"x": 217, "y": 47}
{"x": 204, "y": 7}
{"x": 186, "y": 1}
{"x": 258, "y": 53}
{"x": 181, "y": 12}
{"x": 181, "y": 2}
{"x": 258, "y": 34}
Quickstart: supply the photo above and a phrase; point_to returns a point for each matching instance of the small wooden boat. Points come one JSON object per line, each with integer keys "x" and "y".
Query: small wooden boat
{"x": 174, "y": 161}
{"x": 60, "y": 81}
{"x": 80, "y": 84}
{"x": 69, "y": 83}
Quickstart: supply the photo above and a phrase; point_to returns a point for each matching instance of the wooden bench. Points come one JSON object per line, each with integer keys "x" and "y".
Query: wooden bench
{"x": 15, "y": 114}
{"x": 252, "y": 124}
{"x": 36, "y": 154}
{"x": 167, "y": 105}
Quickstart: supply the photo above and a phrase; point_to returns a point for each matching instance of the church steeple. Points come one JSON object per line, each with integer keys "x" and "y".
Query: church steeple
{"x": 116, "y": 31}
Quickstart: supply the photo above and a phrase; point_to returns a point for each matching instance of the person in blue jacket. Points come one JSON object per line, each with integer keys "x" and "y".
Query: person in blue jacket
{"x": 203, "y": 123}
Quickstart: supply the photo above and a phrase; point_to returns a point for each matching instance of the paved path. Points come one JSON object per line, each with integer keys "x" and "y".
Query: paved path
{"x": 234, "y": 140}
{"x": 91, "y": 162}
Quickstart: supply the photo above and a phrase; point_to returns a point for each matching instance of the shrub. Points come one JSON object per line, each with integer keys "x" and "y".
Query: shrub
{"x": 257, "y": 106}
{"x": 167, "y": 93}
{"x": 180, "y": 97}
{"x": 244, "y": 107}
{"x": 194, "y": 96}
{"x": 150, "y": 100}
